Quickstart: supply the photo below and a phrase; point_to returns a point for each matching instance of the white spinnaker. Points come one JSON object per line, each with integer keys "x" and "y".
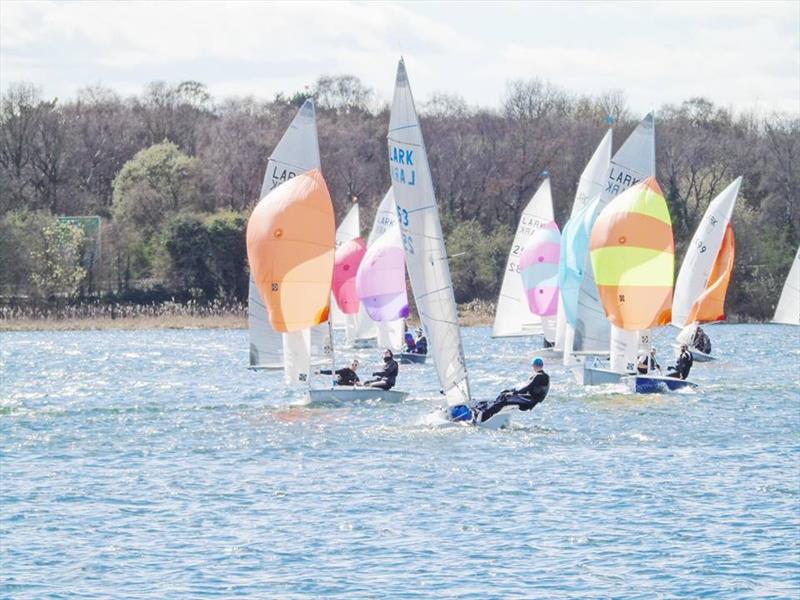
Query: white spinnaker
{"x": 788, "y": 309}
{"x": 702, "y": 254}
{"x": 389, "y": 333}
{"x": 512, "y": 316}
{"x": 632, "y": 163}
{"x": 426, "y": 256}
{"x": 348, "y": 229}
{"x": 296, "y": 152}
{"x": 590, "y": 185}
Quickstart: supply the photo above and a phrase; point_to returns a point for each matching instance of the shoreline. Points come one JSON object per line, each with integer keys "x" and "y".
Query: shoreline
{"x": 468, "y": 317}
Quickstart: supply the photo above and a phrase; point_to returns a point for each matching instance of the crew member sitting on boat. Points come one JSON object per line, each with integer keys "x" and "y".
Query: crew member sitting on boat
{"x": 524, "y": 398}
{"x": 411, "y": 345}
{"x": 421, "y": 343}
{"x": 701, "y": 341}
{"x": 385, "y": 379}
{"x": 683, "y": 365}
{"x": 648, "y": 363}
{"x": 346, "y": 375}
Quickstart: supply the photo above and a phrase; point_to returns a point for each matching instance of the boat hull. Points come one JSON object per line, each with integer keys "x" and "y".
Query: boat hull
{"x": 362, "y": 343}
{"x": 652, "y": 384}
{"x": 275, "y": 367}
{"x": 596, "y": 376}
{"x": 408, "y": 358}
{"x": 346, "y": 394}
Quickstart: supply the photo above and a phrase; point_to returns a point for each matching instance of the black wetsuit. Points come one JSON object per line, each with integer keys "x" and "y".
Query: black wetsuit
{"x": 524, "y": 398}
{"x": 703, "y": 343}
{"x": 345, "y": 376}
{"x": 421, "y": 346}
{"x": 683, "y": 365}
{"x": 647, "y": 364}
{"x": 387, "y": 377}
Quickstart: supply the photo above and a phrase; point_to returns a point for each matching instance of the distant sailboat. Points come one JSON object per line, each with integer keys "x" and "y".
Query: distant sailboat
{"x": 512, "y": 316}
{"x": 539, "y": 269}
{"x": 703, "y": 279}
{"x": 423, "y": 242}
{"x": 631, "y": 164}
{"x": 590, "y": 187}
{"x": 296, "y": 152}
{"x": 788, "y": 309}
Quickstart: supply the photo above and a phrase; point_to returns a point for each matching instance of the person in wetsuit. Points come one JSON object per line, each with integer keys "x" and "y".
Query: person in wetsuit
{"x": 683, "y": 364}
{"x": 648, "y": 363}
{"x": 386, "y": 378}
{"x": 421, "y": 343}
{"x": 346, "y": 375}
{"x": 701, "y": 341}
{"x": 408, "y": 337}
{"x": 524, "y": 398}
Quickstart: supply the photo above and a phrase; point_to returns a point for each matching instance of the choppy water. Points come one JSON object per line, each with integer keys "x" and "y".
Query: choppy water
{"x": 153, "y": 465}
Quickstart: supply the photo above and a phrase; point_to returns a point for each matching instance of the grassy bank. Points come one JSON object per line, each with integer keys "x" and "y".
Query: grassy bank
{"x": 175, "y": 316}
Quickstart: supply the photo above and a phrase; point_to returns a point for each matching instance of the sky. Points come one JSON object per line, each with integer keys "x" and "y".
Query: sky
{"x": 741, "y": 55}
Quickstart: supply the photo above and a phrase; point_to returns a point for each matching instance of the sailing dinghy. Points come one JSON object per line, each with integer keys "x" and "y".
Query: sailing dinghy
{"x": 633, "y": 256}
{"x": 705, "y": 273}
{"x": 788, "y": 309}
{"x": 296, "y": 152}
{"x": 426, "y": 256}
{"x": 513, "y": 317}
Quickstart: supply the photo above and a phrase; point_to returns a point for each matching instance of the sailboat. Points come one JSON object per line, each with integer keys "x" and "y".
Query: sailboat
{"x": 290, "y": 249}
{"x": 424, "y": 245}
{"x": 512, "y": 317}
{"x": 633, "y": 260}
{"x": 788, "y": 309}
{"x": 589, "y": 332}
{"x": 359, "y": 329}
{"x": 389, "y": 329}
{"x": 539, "y": 269}
{"x": 590, "y": 187}
{"x": 706, "y": 270}
{"x": 297, "y": 152}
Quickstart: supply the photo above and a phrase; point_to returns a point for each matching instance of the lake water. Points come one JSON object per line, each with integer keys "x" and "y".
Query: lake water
{"x": 152, "y": 464}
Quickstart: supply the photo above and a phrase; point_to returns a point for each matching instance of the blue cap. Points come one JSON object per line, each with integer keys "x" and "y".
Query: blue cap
{"x": 537, "y": 362}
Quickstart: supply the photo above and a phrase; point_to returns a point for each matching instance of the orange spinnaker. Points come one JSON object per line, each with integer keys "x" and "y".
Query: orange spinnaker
{"x": 291, "y": 237}
{"x": 710, "y": 306}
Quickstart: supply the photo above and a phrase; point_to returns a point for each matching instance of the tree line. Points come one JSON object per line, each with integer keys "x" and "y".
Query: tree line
{"x": 173, "y": 173}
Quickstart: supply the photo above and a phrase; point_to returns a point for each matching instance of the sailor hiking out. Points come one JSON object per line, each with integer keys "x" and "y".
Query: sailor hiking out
{"x": 345, "y": 375}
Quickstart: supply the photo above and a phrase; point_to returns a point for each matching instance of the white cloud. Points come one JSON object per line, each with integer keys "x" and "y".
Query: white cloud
{"x": 736, "y": 53}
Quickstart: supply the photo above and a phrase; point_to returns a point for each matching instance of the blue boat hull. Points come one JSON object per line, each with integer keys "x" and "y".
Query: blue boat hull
{"x": 651, "y": 384}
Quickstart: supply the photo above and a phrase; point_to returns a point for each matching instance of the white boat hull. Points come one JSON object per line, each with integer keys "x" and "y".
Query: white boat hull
{"x": 361, "y": 343}
{"x": 345, "y": 394}
{"x": 595, "y": 376}
{"x": 274, "y": 367}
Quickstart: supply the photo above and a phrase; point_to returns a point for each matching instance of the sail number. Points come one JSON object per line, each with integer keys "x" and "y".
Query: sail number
{"x": 402, "y": 215}
{"x": 408, "y": 244}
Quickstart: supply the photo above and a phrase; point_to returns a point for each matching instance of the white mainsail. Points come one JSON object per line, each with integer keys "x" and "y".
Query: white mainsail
{"x": 788, "y": 309}
{"x": 424, "y": 244}
{"x": 296, "y": 152}
{"x": 702, "y": 254}
{"x": 390, "y": 333}
{"x": 590, "y": 185}
{"x": 632, "y": 163}
{"x": 512, "y": 316}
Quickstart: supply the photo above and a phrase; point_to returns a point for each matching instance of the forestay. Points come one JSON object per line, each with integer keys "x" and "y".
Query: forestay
{"x": 426, "y": 257}
{"x": 706, "y": 268}
{"x": 512, "y": 316}
{"x": 296, "y": 152}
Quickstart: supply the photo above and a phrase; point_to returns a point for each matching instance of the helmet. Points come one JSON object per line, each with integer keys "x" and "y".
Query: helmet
{"x": 537, "y": 362}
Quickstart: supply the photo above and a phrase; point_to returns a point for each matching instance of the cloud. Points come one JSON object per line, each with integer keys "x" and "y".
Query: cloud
{"x": 735, "y": 53}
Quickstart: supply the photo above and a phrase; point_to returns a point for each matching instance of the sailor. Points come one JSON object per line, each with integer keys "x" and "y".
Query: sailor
{"x": 421, "y": 343}
{"x": 524, "y": 398}
{"x": 346, "y": 375}
{"x": 648, "y": 363}
{"x": 385, "y": 379}
{"x": 683, "y": 364}
{"x": 411, "y": 345}
{"x": 701, "y": 341}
